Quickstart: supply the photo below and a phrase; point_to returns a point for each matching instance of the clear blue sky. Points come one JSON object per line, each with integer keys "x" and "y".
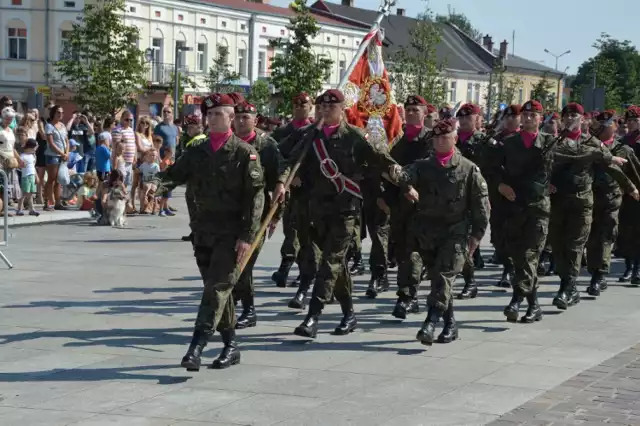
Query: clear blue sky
{"x": 556, "y": 25}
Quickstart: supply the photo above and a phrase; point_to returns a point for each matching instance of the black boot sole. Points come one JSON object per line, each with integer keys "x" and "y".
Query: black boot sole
{"x": 560, "y": 304}
{"x": 305, "y": 332}
{"x": 218, "y": 366}
{"x": 371, "y": 294}
{"x": 424, "y": 338}
{"x": 574, "y": 302}
{"x": 504, "y": 283}
{"x": 242, "y": 326}
{"x": 530, "y": 320}
{"x": 442, "y": 339}
{"x": 591, "y": 291}
{"x": 471, "y": 295}
{"x": 512, "y": 316}
{"x": 294, "y": 304}
{"x": 190, "y": 365}
{"x": 399, "y": 313}
{"x": 344, "y": 331}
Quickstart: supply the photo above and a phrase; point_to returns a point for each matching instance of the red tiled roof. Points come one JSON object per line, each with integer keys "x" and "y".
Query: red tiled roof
{"x": 271, "y": 10}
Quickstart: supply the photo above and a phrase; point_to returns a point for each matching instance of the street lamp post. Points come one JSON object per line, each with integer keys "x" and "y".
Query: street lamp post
{"x": 557, "y": 56}
{"x": 176, "y": 76}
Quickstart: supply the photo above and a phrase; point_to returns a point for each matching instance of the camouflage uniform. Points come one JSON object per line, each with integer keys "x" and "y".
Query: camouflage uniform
{"x": 191, "y": 202}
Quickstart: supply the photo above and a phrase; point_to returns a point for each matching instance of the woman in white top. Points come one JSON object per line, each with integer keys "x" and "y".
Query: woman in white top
{"x": 144, "y": 134}
{"x": 57, "y": 153}
{"x": 9, "y": 157}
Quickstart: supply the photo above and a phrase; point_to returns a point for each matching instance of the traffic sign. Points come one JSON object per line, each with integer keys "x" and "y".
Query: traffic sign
{"x": 502, "y": 106}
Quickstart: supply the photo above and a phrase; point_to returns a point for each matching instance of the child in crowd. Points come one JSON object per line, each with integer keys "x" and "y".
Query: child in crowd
{"x": 149, "y": 169}
{"x": 118, "y": 159}
{"x": 87, "y": 194}
{"x": 29, "y": 180}
{"x": 157, "y": 143}
{"x": 75, "y": 181}
{"x": 167, "y": 160}
{"x": 103, "y": 166}
{"x": 113, "y": 188}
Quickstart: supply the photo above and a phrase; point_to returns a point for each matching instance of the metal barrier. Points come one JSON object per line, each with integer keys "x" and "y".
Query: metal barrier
{"x": 5, "y": 199}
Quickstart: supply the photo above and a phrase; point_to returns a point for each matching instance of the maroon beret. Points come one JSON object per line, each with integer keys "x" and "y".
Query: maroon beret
{"x": 573, "y": 108}
{"x": 415, "y": 100}
{"x": 431, "y": 109}
{"x": 532, "y": 106}
{"x": 632, "y": 112}
{"x": 606, "y": 115}
{"x": 468, "y": 109}
{"x": 237, "y": 98}
{"x": 513, "y": 110}
{"x": 301, "y": 98}
{"x": 192, "y": 119}
{"x": 215, "y": 100}
{"x": 333, "y": 96}
{"x": 245, "y": 108}
{"x": 442, "y": 127}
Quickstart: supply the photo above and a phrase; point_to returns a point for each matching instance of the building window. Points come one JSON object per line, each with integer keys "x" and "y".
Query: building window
{"x": 16, "y": 2}
{"x": 328, "y": 39}
{"x": 242, "y": 62}
{"x": 132, "y": 9}
{"x": 69, "y": 4}
{"x": 180, "y": 17}
{"x": 261, "y": 64}
{"x": 157, "y": 13}
{"x": 182, "y": 55}
{"x": 65, "y": 46}
{"x": 203, "y": 21}
{"x": 520, "y": 95}
{"x": 357, "y": 43}
{"x": 264, "y": 29}
{"x": 243, "y": 27}
{"x": 223, "y": 24}
{"x": 469, "y": 92}
{"x": 344, "y": 41}
{"x": 17, "y": 43}
{"x": 343, "y": 68}
{"x": 281, "y": 32}
{"x": 202, "y": 57}
{"x": 452, "y": 92}
{"x": 476, "y": 99}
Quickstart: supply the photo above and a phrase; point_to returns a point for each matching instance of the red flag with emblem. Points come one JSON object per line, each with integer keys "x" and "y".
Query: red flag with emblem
{"x": 368, "y": 94}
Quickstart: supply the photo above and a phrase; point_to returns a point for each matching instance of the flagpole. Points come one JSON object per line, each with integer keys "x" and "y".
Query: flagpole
{"x": 384, "y": 10}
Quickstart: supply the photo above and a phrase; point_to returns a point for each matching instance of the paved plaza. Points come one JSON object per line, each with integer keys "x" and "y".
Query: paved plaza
{"x": 94, "y": 322}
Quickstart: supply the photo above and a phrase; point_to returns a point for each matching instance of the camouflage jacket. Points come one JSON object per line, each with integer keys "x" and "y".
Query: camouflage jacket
{"x": 604, "y": 183}
{"x": 454, "y": 197}
{"x": 281, "y": 133}
{"x": 477, "y": 148}
{"x": 228, "y": 188}
{"x": 354, "y": 157}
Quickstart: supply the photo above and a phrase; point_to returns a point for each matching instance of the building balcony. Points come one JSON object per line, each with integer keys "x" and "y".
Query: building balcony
{"x": 161, "y": 74}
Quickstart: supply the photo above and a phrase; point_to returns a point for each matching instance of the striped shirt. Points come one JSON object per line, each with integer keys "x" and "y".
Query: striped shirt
{"x": 128, "y": 138}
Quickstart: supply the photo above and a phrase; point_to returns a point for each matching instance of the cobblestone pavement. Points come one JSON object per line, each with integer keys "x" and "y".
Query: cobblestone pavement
{"x": 608, "y": 393}
{"x": 94, "y": 321}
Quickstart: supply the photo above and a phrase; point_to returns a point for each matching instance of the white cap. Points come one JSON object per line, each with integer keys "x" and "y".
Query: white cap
{"x": 8, "y": 112}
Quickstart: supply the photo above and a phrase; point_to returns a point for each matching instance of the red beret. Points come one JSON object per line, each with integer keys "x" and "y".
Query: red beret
{"x": 333, "y": 96}
{"x": 415, "y": 100}
{"x": 573, "y": 108}
{"x": 606, "y": 115}
{"x": 532, "y": 106}
{"x": 632, "y": 112}
{"x": 245, "y": 108}
{"x": 237, "y": 98}
{"x": 192, "y": 119}
{"x": 468, "y": 109}
{"x": 513, "y": 110}
{"x": 301, "y": 98}
{"x": 431, "y": 109}
{"x": 442, "y": 127}
{"x": 215, "y": 100}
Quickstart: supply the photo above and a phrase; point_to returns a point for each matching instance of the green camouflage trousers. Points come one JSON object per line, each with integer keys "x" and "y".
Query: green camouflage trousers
{"x": 604, "y": 231}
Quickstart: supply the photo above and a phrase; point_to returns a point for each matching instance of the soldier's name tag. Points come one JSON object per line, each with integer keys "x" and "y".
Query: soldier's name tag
{"x": 255, "y": 174}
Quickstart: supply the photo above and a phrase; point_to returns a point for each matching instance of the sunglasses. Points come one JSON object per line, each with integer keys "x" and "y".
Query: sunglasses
{"x": 128, "y": 119}
{"x": 166, "y": 112}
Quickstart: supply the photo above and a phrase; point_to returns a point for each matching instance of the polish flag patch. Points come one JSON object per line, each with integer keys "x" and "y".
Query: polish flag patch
{"x": 253, "y": 157}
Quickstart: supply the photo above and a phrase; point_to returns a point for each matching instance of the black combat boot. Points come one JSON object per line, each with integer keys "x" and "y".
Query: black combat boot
{"x": 635, "y": 276}
{"x": 512, "y": 311}
{"x": 383, "y": 283}
{"x": 507, "y": 275}
{"x": 604, "y": 284}
{"x": 450, "y": 330}
{"x": 427, "y": 332}
{"x": 594, "y": 285}
{"x": 626, "y": 275}
{"x": 281, "y": 276}
{"x": 401, "y": 308}
{"x": 298, "y": 301}
{"x": 551, "y": 270}
{"x": 470, "y": 290}
{"x": 357, "y": 268}
{"x": 188, "y": 237}
{"x": 373, "y": 289}
{"x": 534, "y": 313}
{"x": 191, "y": 360}
{"x": 494, "y": 259}
{"x": 478, "y": 261}
{"x": 230, "y": 354}
{"x": 248, "y": 317}
{"x": 572, "y": 292}
{"x": 349, "y": 322}
{"x": 561, "y": 301}
{"x": 309, "y": 327}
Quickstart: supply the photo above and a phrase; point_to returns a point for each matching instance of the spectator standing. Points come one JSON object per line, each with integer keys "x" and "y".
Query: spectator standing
{"x": 81, "y": 131}
{"x": 127, "y": 137}
{"x": 167, "y": 131}
{"x": 144, "y": 134}
{"x": 56, "y": 153}
{"x": 41, "y": 164}
{"x": 29, "y": 179}
{"x": 8, "y": 154}
{"x": 5, "y": 102}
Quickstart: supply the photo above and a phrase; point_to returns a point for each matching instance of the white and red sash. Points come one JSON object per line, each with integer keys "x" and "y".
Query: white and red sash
{"x": 329, "y": 169}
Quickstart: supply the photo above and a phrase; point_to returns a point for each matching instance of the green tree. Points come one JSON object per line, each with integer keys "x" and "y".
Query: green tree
{"x": 260, "y": 96}
{"x": 297, "y": 69}
{"x": 184, "y": 81}
{"x": 416, "y": 69}
{"x": 542, "y": 92}
{"x": 461, "y": 21}
{"x": 101, "y": 63}
{"x": 221, "y": 75}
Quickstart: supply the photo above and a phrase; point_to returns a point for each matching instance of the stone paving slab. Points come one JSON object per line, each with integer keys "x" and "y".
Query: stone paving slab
{"x": 94, "y": 321}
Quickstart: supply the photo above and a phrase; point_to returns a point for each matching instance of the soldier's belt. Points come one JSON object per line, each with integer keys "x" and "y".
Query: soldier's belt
{"x": 329, "y": 169}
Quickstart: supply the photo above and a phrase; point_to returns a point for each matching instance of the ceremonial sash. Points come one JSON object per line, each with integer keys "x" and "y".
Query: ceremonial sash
{"x": 195, "y": 139}
{"x": 329, "y": 169}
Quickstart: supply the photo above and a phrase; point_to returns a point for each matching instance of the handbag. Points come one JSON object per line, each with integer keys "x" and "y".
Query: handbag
{"x": 63, "y": 174}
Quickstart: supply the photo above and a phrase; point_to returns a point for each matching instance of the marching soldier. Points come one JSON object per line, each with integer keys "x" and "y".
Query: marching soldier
{"x": 511, "y": 125}
{"x": 572, "y": 201}
{"x": 628, "y": 243}
{"x": 228, "y": 188}
{"x": 194, "y": 138}
{"x": 473, "y": 146}
{"x": 552, "y": 126}
{"x": 607, "y": 201}
{"x": 340, "y": 153}
{"x": 415, "y": 144}
{"x": 272, "y": 167}
{"x": 450, "y": 220}
{"x": 291, "y": 221}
